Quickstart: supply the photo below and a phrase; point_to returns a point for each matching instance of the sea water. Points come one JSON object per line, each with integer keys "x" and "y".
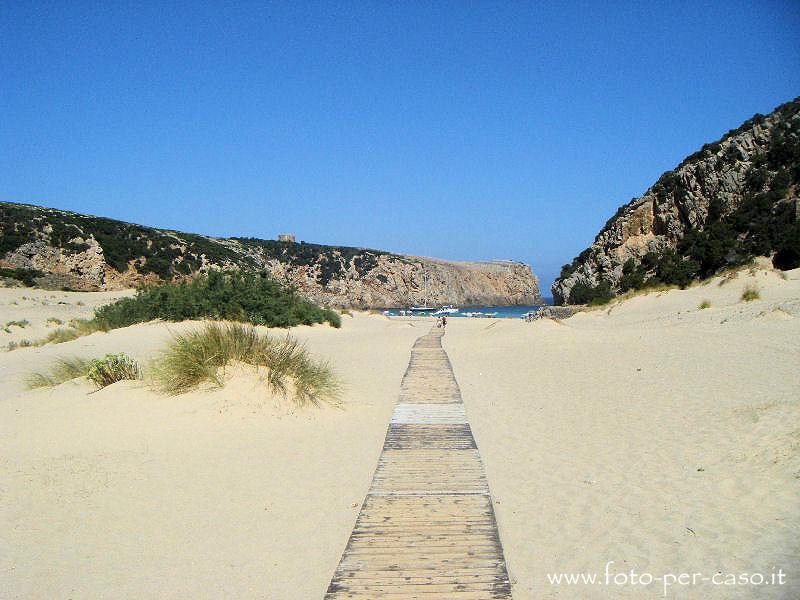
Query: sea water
{"x": 494, "y": 312}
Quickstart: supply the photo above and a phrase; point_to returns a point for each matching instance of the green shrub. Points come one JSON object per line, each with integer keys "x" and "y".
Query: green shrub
{"x": 236, "y": 296}
{"x": 197, "y": 357}
{"x": 705, "y": 304}
{"x": 633, "y": 276}
{"x": 20, "y": 344}
{"x": 26, "y": 276}
{"x": 583, "y": 293}
{"x": 750, "y": 293}
{"x": 112, "y": 368}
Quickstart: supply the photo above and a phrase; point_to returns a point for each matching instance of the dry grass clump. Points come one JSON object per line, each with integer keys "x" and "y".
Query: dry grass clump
{"x": 705, "y": 304}
{"x": 59, "y": 336}
{"x": 100, "y": 371}
{"x": 197, "y": 357}
{"x": 750, "y": 293}
{"x": 77, "y": 328}
{"x": 63, "y": 370}
{"x": 21, "y": 324}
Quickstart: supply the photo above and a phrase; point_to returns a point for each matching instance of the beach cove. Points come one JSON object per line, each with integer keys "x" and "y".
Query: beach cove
{"x": 671, "y": 457}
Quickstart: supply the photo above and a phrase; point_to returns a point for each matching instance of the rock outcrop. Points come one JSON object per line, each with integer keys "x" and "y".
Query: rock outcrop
{"x": 556, "y": 313}
{"x": 80, "y": 252}
{"x": 758, "y": 162}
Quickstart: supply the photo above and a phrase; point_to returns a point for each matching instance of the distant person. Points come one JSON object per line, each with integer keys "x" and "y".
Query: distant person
{"x": 444, "y": 322}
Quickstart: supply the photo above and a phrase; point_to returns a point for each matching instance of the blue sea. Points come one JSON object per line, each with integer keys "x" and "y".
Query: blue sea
{"x": 494, "y": 312}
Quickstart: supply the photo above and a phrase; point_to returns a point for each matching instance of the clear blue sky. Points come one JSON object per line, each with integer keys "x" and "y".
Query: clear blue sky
{"x": 463, "y": 130}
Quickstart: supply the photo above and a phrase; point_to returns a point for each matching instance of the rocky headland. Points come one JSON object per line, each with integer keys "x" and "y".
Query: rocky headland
{"x": 65, "y": 250}
{"x": 733, "y": 199}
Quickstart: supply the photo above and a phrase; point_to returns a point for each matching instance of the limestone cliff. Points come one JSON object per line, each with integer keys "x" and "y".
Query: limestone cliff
{"x": 61, "y": 249}
{"x": 732, "y": 199}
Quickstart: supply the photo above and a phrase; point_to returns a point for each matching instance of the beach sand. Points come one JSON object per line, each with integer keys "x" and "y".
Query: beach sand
{"x": 123, "y": 493}
{"x": 650, "y": 433}
{"x": 30, "y": 314}
{"x": 653, "y": 434}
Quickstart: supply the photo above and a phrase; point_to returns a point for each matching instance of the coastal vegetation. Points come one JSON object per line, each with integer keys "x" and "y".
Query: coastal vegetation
{"x": 62, "y": 370}
{"x": 22, "y": 324}
{"x": 750, "y": 293}
{"x": 582, "y": 293}
{"x": 234, "y": 296}
{"x": 199, "y": 356}
{"x": 100, "y": 371}
{"x": 26, "y": 276}
{"x": 112, "y": 368}
{"x": 76, "y": 328}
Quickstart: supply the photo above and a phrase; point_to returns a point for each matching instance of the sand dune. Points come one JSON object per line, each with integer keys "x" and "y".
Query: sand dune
{"x": 30, "y": 314}
{"x": 651, "y": 433}
{"x": 124, "y": 493}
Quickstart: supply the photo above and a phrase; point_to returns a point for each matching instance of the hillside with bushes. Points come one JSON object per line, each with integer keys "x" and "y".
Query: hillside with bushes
{"x": 59, "y": 249}
{"x": 731, "y": 201}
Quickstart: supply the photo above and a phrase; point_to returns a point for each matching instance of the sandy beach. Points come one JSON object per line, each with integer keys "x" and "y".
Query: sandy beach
{"x": 651, "y": 433}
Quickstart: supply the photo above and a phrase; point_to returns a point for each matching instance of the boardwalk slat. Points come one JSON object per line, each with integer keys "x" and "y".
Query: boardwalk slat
{"x": 427, "y": 528}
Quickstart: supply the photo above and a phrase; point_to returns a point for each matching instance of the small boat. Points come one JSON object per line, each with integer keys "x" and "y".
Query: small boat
{"x": 446, "y": 310}
{"x": 422, "y": 309}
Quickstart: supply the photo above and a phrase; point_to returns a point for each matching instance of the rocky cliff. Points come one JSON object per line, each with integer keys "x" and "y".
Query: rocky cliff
{"x": 65, "y": 250}
{"x": 733, "y": 199}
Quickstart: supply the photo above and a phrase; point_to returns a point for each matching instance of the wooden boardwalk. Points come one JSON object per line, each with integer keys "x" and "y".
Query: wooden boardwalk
{"x": 427, "y": 528}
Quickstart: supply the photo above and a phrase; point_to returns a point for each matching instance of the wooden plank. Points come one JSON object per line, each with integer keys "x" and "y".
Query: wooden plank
{"x": 427, "y": 528}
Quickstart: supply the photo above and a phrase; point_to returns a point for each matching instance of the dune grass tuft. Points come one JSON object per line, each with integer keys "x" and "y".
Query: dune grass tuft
{"x": 59, "y": 336}
{"x": 63, "y": 370}
{"x": 101, "y": 371}
{"x": 705, "y": 304}
{"x": 197, "y": 357}
{"x": 750, "y": 293}
{"x": 21, "y": 324}
{"x": 77, "y": 328}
